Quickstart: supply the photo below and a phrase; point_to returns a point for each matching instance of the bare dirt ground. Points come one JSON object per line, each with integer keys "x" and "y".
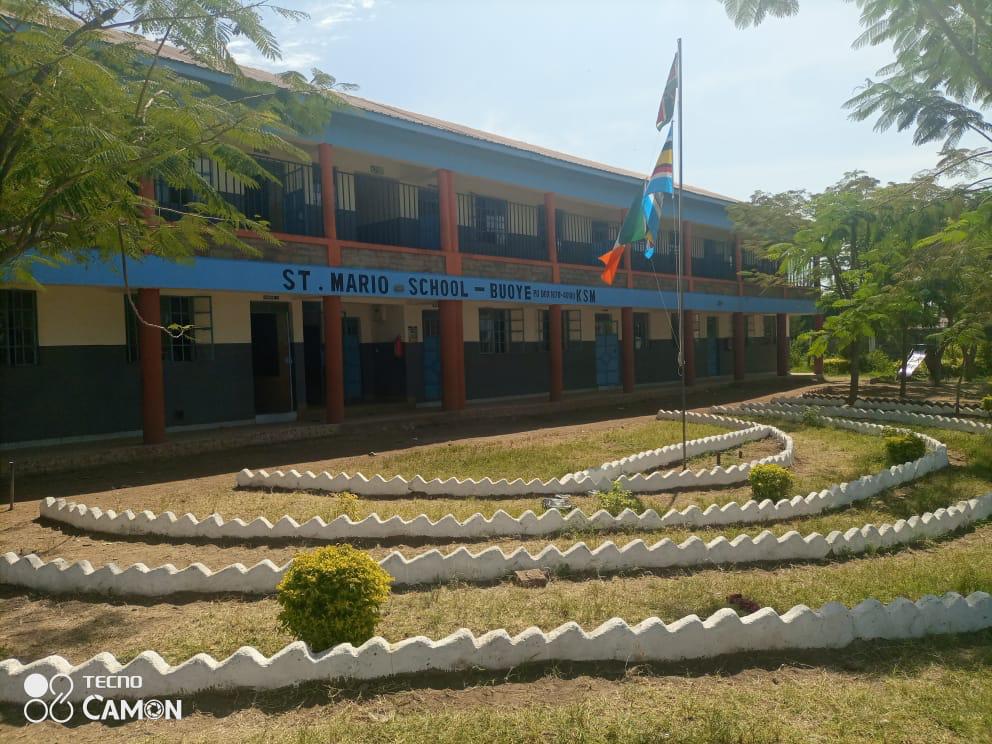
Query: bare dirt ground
{"x": 916, "y": 390}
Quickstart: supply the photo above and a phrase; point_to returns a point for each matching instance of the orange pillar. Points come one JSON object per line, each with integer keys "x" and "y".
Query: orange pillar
{"x": 782, "y": 340}
{"x": 450, "y": 311}
{"x": 152, "y": 377}
{"x": 627, "y": 349}
{"x": 740, "y": 345}
{"x": 818, "y": 361}
{"x": 551, "y": 235}
{"x": 689, "y": 346}
{"x": 687, "y": 254}
{"x": 556, "y": 363}
{"x": 328, "y": 203}
{"x": 739, "y": 263}
{"x": 333, "y": 360}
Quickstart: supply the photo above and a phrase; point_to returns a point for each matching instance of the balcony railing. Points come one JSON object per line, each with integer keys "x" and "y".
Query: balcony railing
{"x": 496, "y": 227}
{"x": 290, "y": 204}
{"x": 582, "y": 240}
{"x": 753, "y": 263}
{"x": 372, "y": 209}
{"x": 663, "y": 260}
{"x": 713, "y": 259}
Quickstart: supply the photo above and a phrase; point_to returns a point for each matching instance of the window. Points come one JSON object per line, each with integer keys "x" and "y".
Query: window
{"x": 751, "y": 330}
{"x": 501, "y": 331}
{"x": 770, "y": 327}
{"x": 544, "y": 329}
{"x": 18, "y": 328}
{"x": 696, "y": 325}
{"x": 572, "y": 322}
{"x": 196, "y": 343}
{"x": 640, "y": 330}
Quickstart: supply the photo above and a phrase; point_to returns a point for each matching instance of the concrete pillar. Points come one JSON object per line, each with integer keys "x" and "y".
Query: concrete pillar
{"x": 818, "y": 361}
{"x": 739, "y": 263}
{"x": 448, "y": 208}
{"x": 556, "y": 364}
{"x": 551, "y": 235}
{"x": 333, "y": 360}
{"x": 452, "y": 386}
{"x": 328, "y": 203}
{"x": 689, "y": 345}
{"x": 152, "y": 377}
{"x": 740, "y": 346}
{"x": 460, "y": 349}
{"x": 627, "y": 347}
{"x": 782, "y": 341}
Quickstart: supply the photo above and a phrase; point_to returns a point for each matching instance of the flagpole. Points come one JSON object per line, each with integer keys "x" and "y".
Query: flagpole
{"x": 679, "y": 270}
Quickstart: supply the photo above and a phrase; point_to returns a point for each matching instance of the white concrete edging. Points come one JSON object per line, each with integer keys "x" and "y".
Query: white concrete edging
{"x": 652, "y": 640}
{"x": 786, "y": 406}
{"x": 490, "y": 564}
{"x": 890, "y": 404}
{"x": 628, "y": 470}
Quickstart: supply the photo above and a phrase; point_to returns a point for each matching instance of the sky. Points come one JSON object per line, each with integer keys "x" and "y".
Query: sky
{"x": 763, "y": 106}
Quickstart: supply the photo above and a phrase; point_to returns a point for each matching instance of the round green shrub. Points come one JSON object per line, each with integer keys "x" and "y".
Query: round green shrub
{"x": 903, "y": 447}
{"x": 332, "y": 595}
{"x": 617, "y": 499}
{"x": 770, "y": 481}
{"x": 812, "y": 417}
{"x": 987, "y": 404}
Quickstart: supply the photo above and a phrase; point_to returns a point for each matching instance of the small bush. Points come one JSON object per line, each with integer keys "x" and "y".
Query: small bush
{"x": 836, "y": 366}
{"x": 878, "y": 362}
{"x": 812, "y": 417}
{"x": 987, "y": 404}
{"x": 770, "y": 481}
{"x": 903, "y": 447}
{"x": 347, "y": 505}
{"x": 332, "y": 595}
{"x": 617, "y": 499}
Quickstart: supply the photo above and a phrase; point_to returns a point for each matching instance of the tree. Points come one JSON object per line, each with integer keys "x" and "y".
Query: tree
{"x": 92, "y": 109}
{"x": 939, "y": 82}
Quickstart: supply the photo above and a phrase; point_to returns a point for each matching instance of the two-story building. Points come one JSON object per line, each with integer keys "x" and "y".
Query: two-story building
{"x": 420, "y": 262}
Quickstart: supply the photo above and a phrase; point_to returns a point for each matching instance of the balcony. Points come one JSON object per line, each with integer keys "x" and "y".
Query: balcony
{"x": 582, "y": 240}
{"x": 761, "y": 265}
{"x": 663, "y": 260}
{"x": 373, "y": 209}
{"x": 495, "y": 227}
{"x": 713, "y": 259}
{"x": 290, "y": 204}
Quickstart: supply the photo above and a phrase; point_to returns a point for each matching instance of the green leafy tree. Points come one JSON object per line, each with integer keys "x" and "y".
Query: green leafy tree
{"x": 92, "y": 108}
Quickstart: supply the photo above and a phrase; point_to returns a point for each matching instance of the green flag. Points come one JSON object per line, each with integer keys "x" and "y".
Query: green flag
{"x": 634, "y": 226}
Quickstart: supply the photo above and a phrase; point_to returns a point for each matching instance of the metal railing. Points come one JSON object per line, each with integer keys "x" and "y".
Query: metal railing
{"x": 291, "y": 204}
{"x": 373, "y": 209}
{"x": 582, "y": 240}
{"x": 713, "y": 259}
{"x": 663, "y": 260}
{"x": 752, "y": 262}
{"x": 496, "y": 227}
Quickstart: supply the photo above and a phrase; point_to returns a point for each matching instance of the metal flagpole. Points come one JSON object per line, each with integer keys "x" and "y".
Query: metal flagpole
{"x": 679, "y": 259}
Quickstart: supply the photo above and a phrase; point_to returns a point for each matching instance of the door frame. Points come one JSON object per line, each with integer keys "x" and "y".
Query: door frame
{"x": 263, "y": 307}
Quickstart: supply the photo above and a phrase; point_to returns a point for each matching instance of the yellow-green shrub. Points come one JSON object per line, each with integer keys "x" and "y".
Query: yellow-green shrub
{"x": 332, "y": 595}
{"x": 903, "y": 447}
{"x": 987, "y": 404}
{"x": 769, "y": 481}
{"x": 617, "y": 499}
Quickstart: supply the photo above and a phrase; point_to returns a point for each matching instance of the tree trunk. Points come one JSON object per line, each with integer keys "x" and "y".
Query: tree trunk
{"x": 852, "y": 393}
{"x": 968, "y": 354}
{"x": 902, "y": 370}
{"x": 957, "y": 392}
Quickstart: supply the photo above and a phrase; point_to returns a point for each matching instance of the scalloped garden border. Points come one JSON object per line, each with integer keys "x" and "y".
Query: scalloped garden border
{"x": 780, "y": 406}
{"x": 628, "y": 470}
{"x": 652, "y": 640}
{"x": 938, "y": 408}
{"x": 491, "y": 564}
{"x": 373, "y": 527}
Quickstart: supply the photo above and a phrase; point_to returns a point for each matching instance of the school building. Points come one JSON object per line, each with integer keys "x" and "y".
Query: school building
{"x": 420, "y": 262}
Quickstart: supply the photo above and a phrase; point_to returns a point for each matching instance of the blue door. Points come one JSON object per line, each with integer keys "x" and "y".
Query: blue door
{"x": 352, "y": 359}
{"x": 432, "y": 355}
{"x": 607, "y": 352}
{"x": 712, "y": 347}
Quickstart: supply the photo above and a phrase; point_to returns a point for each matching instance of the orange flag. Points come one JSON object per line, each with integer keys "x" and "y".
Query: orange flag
{"x": 611, "y": 261}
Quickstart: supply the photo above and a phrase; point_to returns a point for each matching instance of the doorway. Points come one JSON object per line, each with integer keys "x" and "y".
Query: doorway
{"x": 272, "y": 360}
{"x": 313, "y": 352}
{"x": 351, "y": 340}
{"x": 431, "y": 320}
{"x": 712, "y": 346}
{"x": 607, "y": 351}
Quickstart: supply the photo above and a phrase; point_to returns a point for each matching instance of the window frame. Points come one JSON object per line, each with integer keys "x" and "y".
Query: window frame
{"x": 14, "y": 351}
{"x": 194, "y": 345}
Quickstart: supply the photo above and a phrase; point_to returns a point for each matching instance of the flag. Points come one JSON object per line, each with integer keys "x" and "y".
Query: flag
{"x": 660, "y": 181}
{"x": 611, "y": 260}
{"x": 666, "y": 110}
{"x": 652, "y": 222}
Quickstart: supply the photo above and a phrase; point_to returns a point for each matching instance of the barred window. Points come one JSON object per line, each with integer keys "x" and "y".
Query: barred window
{"x": 640, "y": 330}
{"x": 544, "y": 329}
{"x": 193, "y": 313}
{"x": 572, "y": 321}
{"x": 771, "y": 326}
{"x": 18, "y": 328}
{"x": 501, "y": 331}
